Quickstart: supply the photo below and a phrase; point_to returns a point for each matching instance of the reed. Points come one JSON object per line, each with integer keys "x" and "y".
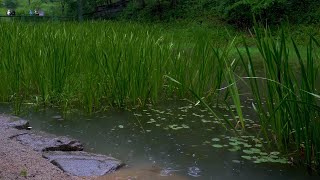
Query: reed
{"x": 290, "y": 113}
{"x": 95, "y": 65}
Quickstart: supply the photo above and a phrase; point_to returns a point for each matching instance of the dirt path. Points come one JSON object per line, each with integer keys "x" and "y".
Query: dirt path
{"x": 21, "y": 162}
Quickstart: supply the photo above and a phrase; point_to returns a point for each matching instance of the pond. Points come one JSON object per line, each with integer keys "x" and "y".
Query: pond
{"x": 175, "y": 140}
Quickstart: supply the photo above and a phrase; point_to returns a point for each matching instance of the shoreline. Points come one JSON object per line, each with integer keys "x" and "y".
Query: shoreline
{"x": 18, "y": 161}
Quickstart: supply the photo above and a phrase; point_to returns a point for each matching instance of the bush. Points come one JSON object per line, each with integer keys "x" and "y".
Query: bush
{"x": 236, "y": 12}
{"x": 241, "y": 12}
{"x": 10, "y": 4}
{"x": 184, "y": 9}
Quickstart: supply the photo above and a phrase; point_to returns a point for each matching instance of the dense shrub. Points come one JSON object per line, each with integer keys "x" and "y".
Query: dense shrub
{"x": 237, "y": 12}
{"x": 241, "y": 12}
{"x": 163, "y": 10}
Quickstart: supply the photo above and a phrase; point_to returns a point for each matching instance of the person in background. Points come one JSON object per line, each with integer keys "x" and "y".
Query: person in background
{"x": 41, "y": 13}
{"x": 11, "y": 12}
{"x": 30, "y": 12}
{"x": 36, "y": 12}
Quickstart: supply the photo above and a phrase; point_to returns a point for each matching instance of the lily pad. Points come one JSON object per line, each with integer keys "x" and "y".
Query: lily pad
{"x": 258, "y": 161}
{"x": 217, "y": 145}
{"x": 234, "y": 143}
{"x": 248, "y": 151}
{"x": 258, "y": 145}
{"x": 282, "y": 161}
{"x": 236, "y": 161}
{"x": 235, "y": 148}
{"x": 185, "y": 126}
{"x": 246, "y": 145}
{"x": 255, "y": 150}
{"x": 151, "y": 121}
{"x": 215, "y": 139}
{"x": 247, "y": 157}
{"x": 275, "y": 153}
{"x": 264, "y": 154}
{"x": 175, "y": 127}
{"x": 205, "y": 121}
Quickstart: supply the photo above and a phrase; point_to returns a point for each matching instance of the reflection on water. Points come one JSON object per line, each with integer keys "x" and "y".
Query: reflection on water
{"x": 144, "y": 172}
{"x": 176, "y": 140}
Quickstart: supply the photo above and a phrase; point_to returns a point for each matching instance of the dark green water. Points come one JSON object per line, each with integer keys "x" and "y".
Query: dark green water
{"x": 177, "y": 137}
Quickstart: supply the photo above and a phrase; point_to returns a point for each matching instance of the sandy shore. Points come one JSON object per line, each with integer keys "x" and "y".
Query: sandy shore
{"x": 18, "y": 161}
{"x": 22, "y": 162}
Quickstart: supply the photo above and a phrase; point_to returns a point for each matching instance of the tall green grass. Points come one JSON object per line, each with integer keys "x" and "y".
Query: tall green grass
{"x": 95, "y": 65}
{"x": 290, "y": 113}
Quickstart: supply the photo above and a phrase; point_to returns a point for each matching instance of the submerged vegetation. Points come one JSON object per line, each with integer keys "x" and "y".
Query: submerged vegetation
{"x": 96, "y": 65}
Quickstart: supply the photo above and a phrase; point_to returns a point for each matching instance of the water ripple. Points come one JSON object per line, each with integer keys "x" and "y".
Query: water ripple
{"x": 194, "y": 171}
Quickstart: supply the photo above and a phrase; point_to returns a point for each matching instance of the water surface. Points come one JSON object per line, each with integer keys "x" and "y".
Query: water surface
{"x": 174, "y": 140}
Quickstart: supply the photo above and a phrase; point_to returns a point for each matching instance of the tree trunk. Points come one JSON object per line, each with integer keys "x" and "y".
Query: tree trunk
{"x": 80, "y": 17}
{"x": 159, "y": 8}
{"x": 62, "y": 8}
{"x": 142, "y": 3}
{"x": 173, "y": 3}
{"x": 159, "y": 5}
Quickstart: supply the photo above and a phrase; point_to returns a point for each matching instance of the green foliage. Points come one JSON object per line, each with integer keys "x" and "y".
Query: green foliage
{"x": 236, "y": 12}
{"x": 164, "y": 10}
{"x": 99, "y": 64}
{"x": 11, "y": 4}
{"x": 241, "y": 12}
{"x": 286, "y": 96}
{"x": 23, "y": 173}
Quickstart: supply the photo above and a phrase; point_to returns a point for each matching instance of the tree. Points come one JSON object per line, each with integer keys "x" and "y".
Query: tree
{"x": 10, "y": 4}
{"x": 80, "y": 18}
{"x": 173, "y": 3}
{"x": 63, "y": 4}
{"x": 142, "y": 3}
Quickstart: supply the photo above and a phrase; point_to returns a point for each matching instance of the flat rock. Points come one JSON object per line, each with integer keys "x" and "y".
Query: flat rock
{"x": 18, "y": 123}
{"x": 47, "y": 143}
{"x": 79, "y": 163}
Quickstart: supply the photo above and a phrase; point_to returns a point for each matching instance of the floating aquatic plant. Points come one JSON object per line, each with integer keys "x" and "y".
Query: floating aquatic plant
{"x": 215, "y": 139}
{"x": 217, "y": 145}
{"x": 121, "y": 126}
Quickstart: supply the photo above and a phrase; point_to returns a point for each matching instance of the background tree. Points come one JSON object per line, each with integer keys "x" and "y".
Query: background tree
{"x": 142, "y": 3}
{"x": 241, "y": 12}
{"x": 10, "y": 4}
